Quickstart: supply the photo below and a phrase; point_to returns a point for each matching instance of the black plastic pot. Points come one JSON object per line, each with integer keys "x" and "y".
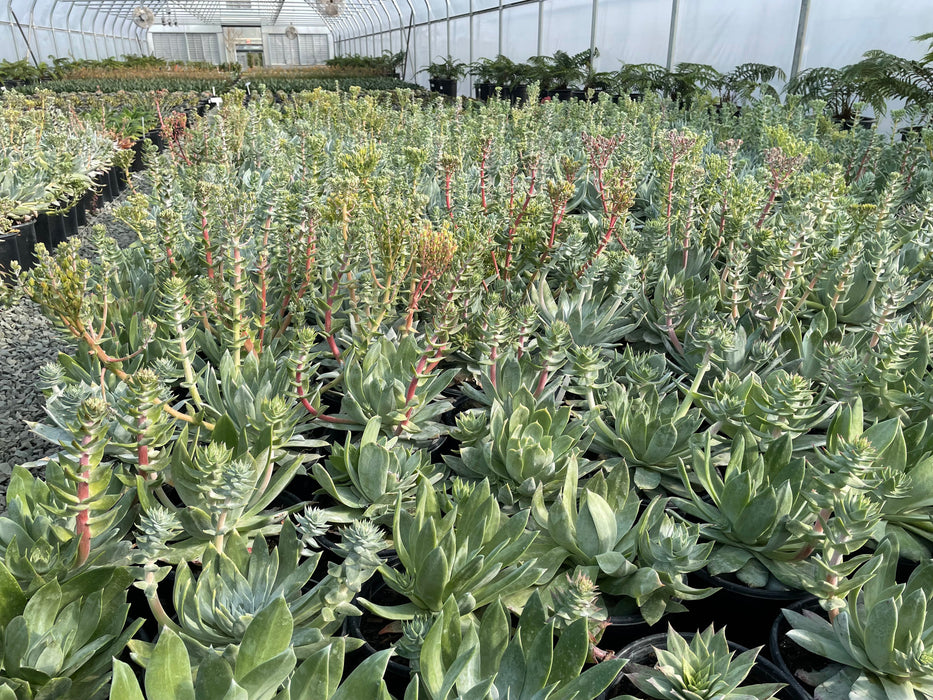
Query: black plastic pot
{"x": 9, "y": 251}
{"x": 518, "y": 94}
{"x": 50, "y": 229}
{"x": 72, "y": 221}
{"x": 114, "y": 179}
{"x": 745, "y": 612}
{"x": 787, "y": 655}
{"x": 444, "y": 86}
{"x": 622, "y": 630}
{"x": 563, "y": 94}
{"x": 155, "y": 135}
{"x": 642, "y": 652}
{"x": 910, "y": 132}
{"x": 102, "y": 187}
{"x": 86, "y": 205}
{"x": 484, "y": 90}
{"x": 80, "y": 210}
{"x": 368, "y": 627}
{"x": 137, "y": 165}
{"x": 27, "y": 244}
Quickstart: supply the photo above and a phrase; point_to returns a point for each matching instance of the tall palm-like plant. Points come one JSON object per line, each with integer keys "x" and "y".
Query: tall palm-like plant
{"x": 895, "y": 77}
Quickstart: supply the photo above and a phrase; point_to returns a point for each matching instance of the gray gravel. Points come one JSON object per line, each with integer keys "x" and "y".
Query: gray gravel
{"x": 27, "y": 342}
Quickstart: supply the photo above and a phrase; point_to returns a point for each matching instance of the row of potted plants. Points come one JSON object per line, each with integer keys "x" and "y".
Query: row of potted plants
{"x": 556, "y": 360}
{"x": 873, "y": 81}
{"x": 66, "y": 154}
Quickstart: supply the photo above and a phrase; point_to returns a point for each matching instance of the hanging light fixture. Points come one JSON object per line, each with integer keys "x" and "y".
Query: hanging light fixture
{"x": 329, "y": 8}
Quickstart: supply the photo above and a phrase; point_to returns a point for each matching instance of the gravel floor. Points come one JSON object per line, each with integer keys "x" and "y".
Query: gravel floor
{"x": 28, "y": 341}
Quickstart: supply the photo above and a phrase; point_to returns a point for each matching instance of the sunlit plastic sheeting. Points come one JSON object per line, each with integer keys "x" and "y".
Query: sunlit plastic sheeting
{"x": 485, "y": 35}
{"x": 438, "y": 42}
{"x": 726, "y": 33}
{"x": 520, "y": 32}
{"x": 839, "y": 35}
{"x": 420, "y": 35}
{"x": 566, "y": 26}
{"x": 8, "y": 50}
{"x": 634, "y": 31}
{"x": 460, "y": 48}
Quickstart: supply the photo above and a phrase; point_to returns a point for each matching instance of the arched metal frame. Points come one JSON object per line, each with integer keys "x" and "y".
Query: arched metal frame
{"x": 101, "y": 28}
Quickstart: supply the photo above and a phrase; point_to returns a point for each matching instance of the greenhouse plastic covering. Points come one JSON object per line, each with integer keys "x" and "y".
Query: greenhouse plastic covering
{"x": 793, "y": 34}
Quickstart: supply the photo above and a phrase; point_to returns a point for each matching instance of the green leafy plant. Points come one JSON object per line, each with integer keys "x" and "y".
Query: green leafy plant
{"x": 701, "y": 669}
{"x": 369, "y": 477}
{"x": 264, "y": 668}
{"x": 467, "y": 549}
{"x": 60, "y": 642}
{"x": 879, "y": 645}
{"x": 486, "y": 657}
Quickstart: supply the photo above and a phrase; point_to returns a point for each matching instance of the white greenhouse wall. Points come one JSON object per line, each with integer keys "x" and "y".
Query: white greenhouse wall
{"x": 722, "y": 33}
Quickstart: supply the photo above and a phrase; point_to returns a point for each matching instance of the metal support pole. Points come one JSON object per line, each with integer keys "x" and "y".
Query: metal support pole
{"x": 672, "y": 37}
{"x": 71, "y": 43}
{"x": 540, "y": 26}
{"x": 471, "y": 48}
{"x": 801, "y": 37}
{"x": 427, "y": 5}
{"x": 500, "y": 27}
{"x": 86, "y": 53}
{"x": 447, "y": 19}
{"x": 58, "y": 52}
{"x": 398, "y": 11}
{"x": 593, "y": 34}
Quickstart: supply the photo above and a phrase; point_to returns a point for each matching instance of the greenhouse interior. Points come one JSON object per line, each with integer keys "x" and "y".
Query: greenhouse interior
{"x": 466, "y": 349}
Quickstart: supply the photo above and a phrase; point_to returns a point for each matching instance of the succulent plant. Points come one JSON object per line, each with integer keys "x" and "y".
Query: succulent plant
{"x": 746, "y": 509}
{"x": 216, "y": 607}
{"x": 650, "y": 432}
{"x": 702, "y": 669}
{"x": 390, "y": 381}
{"x": 639, "y": 558}
{"x": 467, "y": 549}
{"x": 369, "y": 477}
{"x": 878, "y": 647}
{"x": 528, "y": 445}
{"x": 264, "y": 668}
{"x": 60, "y": 642}
{"x": 465, "y": 658}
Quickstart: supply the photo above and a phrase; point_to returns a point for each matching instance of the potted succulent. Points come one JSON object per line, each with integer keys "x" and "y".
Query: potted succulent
{"x": 444, "y": 75}
{"x": 700, "y": 666}
{"x": 877, "y": 647}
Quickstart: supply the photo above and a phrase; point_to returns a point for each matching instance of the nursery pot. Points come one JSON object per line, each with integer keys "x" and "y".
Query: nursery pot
{"x": 444, "y": 86}
{"x": 50, "y": 229}
{"x": 622, "y": 630}
{"x": 137, "y": 165}
{"x": 72, "y": 220}
{"x": 102, "y": 186}
{"x": 122, "y": 180}
{"x": 484, "y": 91}
{"x": 745, "y": 612}
{"x": 86, "y": 205}
{"x": 788, "y": 655}
{"x": 642, "y": 652}
{"x": 518, "y": 94}
{"x": 114, "y": 178}
{"x": 27, "y": 244}
{"x": 369, "y": 626}
{"x": 9, "y": 251}
{"x": 563, "y": 94}
{"x": 155, "y": 135}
